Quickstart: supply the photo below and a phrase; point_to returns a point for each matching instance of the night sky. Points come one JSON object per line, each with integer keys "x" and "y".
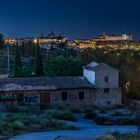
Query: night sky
{"x": 74, "y": 18}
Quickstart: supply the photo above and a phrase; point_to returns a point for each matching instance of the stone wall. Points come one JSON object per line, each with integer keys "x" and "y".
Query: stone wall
{"x": 105, "y": 70}
{"x": 73, "y": 97}
{"x": 92, "y": 97}
{"x": 111, "y": 98}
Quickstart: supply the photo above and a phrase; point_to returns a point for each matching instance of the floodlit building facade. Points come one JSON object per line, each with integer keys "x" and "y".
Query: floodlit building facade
{"x": 105, "y": 37}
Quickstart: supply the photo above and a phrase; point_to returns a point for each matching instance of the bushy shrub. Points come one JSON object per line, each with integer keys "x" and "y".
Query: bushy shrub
{"x": 69, "y": 107}
{"x": 19, "y": 109}
{"x": 107, "y": 137}
{"x": 13, "y": 109}
{"x": 25, "y": 110}
{"x": 11, "y": 118}
{"x": 64, "y": 115}
{"x": 118, "y": 136}
{"x": 125, "y": 121}
{"x": 102, "y": 120}
{"x": 70, "y": 127}
{"x": 90, "y": 114}
{"x": 54, "y": 124}
{"x": 26, "y": 121}
{"x": 129, "y": 136}
{"x": 75, "y": 109}
{"x": 103, "y": 111}
{"x": 116, "y": 133}
{"x": 3, "y": 127}
{"x": 47, "y": 106}
{"x": 118, "y": 113}
{"x": 18, "y": 125}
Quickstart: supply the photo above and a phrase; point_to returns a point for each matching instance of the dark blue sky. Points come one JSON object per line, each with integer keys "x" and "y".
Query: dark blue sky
{"x": 74, "y": 18}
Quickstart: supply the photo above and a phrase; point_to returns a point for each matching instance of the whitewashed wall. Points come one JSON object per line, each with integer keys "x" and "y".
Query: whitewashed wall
{"x": 90, "y": 75}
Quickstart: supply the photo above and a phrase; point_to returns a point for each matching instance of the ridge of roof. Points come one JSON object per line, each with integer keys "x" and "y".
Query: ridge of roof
{"x": 45, "y": 83}
{"x": 94, "y": 67}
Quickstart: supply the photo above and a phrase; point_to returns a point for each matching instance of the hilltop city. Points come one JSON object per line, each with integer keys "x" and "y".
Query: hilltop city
{"x": 123, "y": 41}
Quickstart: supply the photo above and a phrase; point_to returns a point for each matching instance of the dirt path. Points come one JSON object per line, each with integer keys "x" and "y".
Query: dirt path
{"x": 89, "y": 129}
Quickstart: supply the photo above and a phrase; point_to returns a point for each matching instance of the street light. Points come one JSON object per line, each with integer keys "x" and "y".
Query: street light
{"x": 35, "y": 40}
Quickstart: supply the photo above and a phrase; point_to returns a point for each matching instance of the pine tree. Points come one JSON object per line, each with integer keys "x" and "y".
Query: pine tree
{"x": 39, "y": 68}
{"x": 18, "y": 63}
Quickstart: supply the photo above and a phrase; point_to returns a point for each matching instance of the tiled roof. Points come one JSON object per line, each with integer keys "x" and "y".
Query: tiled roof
{"x": 44, "y": 83}
{"x": 99, "y": 66}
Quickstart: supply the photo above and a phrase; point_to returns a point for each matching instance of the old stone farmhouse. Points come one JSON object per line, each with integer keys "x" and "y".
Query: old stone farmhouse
{"x": 99, "y": 86}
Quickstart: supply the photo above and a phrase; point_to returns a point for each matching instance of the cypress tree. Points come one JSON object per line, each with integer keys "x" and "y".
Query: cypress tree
{"x": 39, "y": 68}
{"x": 18, "y": 63}
{"x": 1, "y": 40}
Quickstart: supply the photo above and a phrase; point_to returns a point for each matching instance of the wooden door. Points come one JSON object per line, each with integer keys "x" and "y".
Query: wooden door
{"x": 45, "y": 98}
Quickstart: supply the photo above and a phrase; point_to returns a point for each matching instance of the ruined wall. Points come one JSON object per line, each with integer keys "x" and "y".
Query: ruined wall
{"x": 96, "y": 97}
{"x": 73, "y": 97}
{"x": 111, "y": 98}
{"x": 104, "y": 71}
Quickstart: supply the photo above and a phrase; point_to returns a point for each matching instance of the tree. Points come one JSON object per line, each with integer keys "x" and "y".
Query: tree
{"x": 1, "y": 40}
{"x": 28, "y": 49}
{"x": 18, "y": 63}
{"x": 39, "y": 68}
{"x": 64, "y": 66}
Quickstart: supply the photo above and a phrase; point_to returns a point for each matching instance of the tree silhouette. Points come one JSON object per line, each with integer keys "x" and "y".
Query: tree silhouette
{"x": 18, "y": 63}
{"x": 1, "y": 40}
{"x": 39, "y": 68}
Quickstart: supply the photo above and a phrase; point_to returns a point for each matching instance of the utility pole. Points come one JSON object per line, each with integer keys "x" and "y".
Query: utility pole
{"x": 8, "y": 58}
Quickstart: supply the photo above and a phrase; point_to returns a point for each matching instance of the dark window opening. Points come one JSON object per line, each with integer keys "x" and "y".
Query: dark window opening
{"x": 64, "y": 96}
{"x": 108, "y": 103}
{"x": 20, "y": 97}
{"x": 106, "y": 79}
{"x": 106, "y": 90}
{"x": 81, "y": 95}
